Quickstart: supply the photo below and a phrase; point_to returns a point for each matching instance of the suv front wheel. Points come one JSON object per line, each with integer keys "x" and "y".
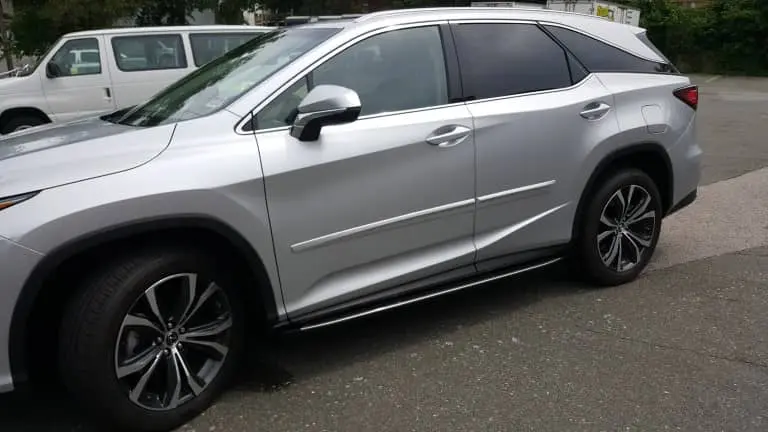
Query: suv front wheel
{"x": 619, "y": 229}
{"x": 150, "y": 341}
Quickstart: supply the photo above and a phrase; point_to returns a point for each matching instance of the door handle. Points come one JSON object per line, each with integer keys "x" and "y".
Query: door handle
{"x": 108, "y": 92}
{"x": 449, "y": 136}
{"x": 595, "y": 110}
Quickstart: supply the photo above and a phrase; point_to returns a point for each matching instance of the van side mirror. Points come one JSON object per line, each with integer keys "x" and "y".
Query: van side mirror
{"x": 325, "y": 105}
{"x": 52, "y": 70}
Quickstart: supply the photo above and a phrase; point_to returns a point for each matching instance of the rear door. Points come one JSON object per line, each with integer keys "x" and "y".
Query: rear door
{"x": 537, "y": 114}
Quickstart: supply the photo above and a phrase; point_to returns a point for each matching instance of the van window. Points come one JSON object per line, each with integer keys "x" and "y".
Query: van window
{"x": 78, "y": 57}
{"x": 150, "y": 52}
{"x": 210, "y": 46}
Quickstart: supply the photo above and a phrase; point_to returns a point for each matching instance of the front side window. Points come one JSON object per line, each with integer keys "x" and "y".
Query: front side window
{"x": 224, "y": 80}
{"x": 152, "y": 52}
{"x": 78, "y": 57}
{"x": 508, "y": 59}
{"x": 394, "y": 71}
{"x": 210, "y": 46}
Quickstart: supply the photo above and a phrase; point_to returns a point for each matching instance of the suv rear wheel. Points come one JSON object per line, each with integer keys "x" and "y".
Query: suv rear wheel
{"x": 150, "y": 341}
{"x": 619, "y": 228}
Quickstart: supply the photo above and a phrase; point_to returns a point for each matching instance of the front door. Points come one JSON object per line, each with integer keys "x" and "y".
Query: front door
{"x": 83, "y": 89}
{"x": 383, "y": 201}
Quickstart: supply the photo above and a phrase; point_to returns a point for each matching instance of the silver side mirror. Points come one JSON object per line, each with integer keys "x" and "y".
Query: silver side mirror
{"x": 325, "y": 105}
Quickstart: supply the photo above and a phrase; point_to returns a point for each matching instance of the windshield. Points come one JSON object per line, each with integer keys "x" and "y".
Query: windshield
{"x": 225, "y": 79}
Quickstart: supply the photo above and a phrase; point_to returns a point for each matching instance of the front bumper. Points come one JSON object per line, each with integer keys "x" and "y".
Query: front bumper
{"x": 16, "y": 264}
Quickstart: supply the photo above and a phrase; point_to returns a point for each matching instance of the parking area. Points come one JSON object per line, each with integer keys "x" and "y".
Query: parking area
{"x": 683, "y": 348}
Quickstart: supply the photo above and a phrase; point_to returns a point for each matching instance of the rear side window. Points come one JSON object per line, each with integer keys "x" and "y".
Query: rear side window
{"x": 210, "y": 46}
{"x": 150, "y": 52}
{"x": 508, "y": 59}
{"x": 601, "y": 57}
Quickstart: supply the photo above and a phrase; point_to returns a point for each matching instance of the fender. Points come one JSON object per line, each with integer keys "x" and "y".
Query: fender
{"x": 623, "y": 156}
{"x": 35, "y": 283}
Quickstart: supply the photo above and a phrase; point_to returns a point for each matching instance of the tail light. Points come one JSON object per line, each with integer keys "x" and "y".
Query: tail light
{"x": 689, "y": 95}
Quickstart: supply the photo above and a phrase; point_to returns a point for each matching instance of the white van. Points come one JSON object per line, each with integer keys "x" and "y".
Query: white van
{"x": 93, "y": 72}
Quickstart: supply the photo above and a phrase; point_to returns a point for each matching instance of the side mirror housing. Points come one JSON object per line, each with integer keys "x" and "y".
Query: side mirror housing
{"x": 325, "y": 105}
{"x": 52, "y": 70}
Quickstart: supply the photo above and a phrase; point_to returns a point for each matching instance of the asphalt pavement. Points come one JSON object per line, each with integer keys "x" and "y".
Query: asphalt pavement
{"x": 685, "y": 347}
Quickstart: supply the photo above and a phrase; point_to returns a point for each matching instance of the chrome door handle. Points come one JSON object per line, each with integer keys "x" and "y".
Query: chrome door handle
{"x": 449, "y": 136}
{"x": 595, "y": 110}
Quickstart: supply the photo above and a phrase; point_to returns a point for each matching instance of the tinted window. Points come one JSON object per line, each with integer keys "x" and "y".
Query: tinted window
{"x": 153, "y": 52}
{"x": 78, "y": 57}
{"x": 394, "y": 71}
{"x": 210, "y": 46}
{"x": 578, "y": 72}
{"x": 508, "y": 59}
{"x": 601, "y": 57}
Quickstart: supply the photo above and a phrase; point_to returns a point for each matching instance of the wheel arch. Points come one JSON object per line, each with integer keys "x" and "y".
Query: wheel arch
{"x": 650, "y": 157}
{"x": 38, "y": 294}
{"x": 10, "y": 113}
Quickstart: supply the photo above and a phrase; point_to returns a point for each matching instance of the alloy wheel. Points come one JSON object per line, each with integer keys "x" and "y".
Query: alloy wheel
{"x": 627, "y": 228}
{"x": 173, "y": 342}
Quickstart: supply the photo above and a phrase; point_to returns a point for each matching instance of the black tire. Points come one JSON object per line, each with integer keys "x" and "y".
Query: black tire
{"x": 588, "y": 259}
{"x": 21, "y": 121}
{"x": 91, "y": 330}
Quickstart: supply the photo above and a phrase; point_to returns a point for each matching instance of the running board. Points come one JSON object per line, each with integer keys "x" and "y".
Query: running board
{"x": 433, "y": 294}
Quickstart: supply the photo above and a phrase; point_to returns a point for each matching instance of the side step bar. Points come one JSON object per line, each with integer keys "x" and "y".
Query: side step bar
{"x": 446, "y": 290}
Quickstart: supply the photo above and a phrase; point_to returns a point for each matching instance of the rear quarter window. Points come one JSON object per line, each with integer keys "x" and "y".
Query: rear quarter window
{"x": 207, "y": 47}
{"x": 598, "y": 56}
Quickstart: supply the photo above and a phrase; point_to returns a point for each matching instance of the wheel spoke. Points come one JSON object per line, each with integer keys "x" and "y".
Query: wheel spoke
{"x": 212, "y": 329}
{"x": 149, "y": 294}
{"x": 207, "y": 294}
{"x": 620, "y": 196}
{"x": 629, "y": 201}
{"x": 612, "y": 252}
{"x": 174, "y": 382}
{"x": 647, "y": 215}
{"x": 138, "y": 363}
{"x": 620, "y": 254}
{"x": 603, "y": 235}
{"x": 641, "y": 241}
{"x": 605, "y": 221}
{"x": 207, "y": 346}
{"x": 635, "y": 246}
{"x": 139, "y": 322}
{"x": 192, "y": 380}
{"x": 191, "y": 294}
{"x": 640, "y": 210}
{"x": 137, "y": 391}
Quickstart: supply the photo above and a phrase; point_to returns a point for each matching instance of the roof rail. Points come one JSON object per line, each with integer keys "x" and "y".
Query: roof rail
{"x": 396, "y": 12}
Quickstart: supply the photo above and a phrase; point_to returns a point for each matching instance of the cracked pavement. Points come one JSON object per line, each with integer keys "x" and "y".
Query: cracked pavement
{"x": 685, "y": 347}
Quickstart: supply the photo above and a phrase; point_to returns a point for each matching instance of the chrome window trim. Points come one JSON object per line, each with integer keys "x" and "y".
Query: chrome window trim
{"x": 301, "y": 75}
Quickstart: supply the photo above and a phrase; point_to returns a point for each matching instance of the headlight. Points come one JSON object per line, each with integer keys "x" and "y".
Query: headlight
{"x": 10, "y": 201}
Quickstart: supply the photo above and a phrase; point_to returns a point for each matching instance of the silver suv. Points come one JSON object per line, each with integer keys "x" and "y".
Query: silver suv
{"x": 322, "y": 173}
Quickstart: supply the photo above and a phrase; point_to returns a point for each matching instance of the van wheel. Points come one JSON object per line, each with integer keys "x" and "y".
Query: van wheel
{"x": 619, "y": 229}
{"x": 150, "y": 341}
{"x": 21, "y": 122}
